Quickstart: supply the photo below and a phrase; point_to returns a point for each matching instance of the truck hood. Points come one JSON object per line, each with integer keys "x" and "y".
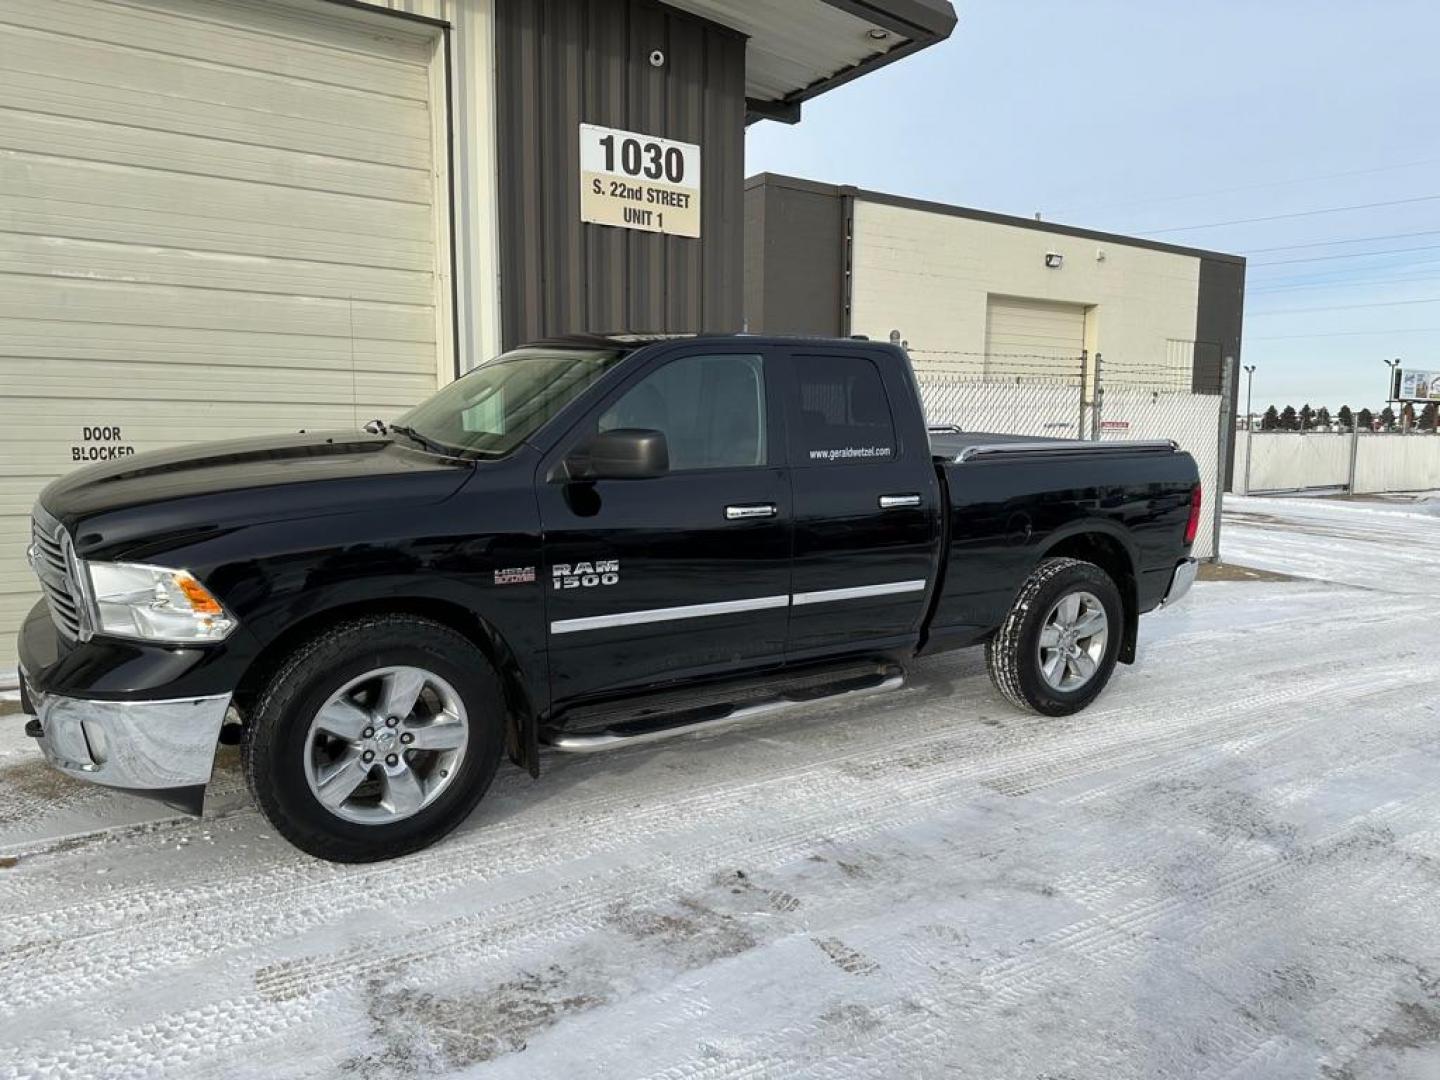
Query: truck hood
{"x": 205, "y": 487}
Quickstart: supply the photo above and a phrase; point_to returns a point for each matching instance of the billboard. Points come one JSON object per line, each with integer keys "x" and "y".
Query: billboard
{"x": 1417, "y": 385}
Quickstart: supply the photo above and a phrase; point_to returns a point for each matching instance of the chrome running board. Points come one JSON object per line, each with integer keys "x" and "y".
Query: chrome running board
{"x": 587, "y": 742}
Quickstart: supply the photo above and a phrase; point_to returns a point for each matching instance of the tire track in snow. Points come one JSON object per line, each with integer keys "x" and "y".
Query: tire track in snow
{"x": 195, "y": 1040}
{"x": 43, "y": 971}
{"x": 479, "y": 939}
{"x": 1099, "y": 743}
{"x": 911, "y": 1037}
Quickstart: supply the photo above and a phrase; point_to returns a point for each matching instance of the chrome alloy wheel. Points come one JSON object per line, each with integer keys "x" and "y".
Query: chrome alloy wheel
{"x": 1072, "y": 641}
{"x": 385, "y": 745}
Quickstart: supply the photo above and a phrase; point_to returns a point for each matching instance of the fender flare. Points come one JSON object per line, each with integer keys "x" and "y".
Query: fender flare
{"x": 326, "y": 605}
{"x": 1128, "y": 588}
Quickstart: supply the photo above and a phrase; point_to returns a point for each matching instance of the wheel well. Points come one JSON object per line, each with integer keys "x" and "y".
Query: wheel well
{"x": 519, "y": 710}
{"x": 1110, "y": 555}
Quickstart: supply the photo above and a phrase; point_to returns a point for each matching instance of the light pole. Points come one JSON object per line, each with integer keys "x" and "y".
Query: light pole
{"x": 1249, "y": 383}
{"x": 1249, "y": 424}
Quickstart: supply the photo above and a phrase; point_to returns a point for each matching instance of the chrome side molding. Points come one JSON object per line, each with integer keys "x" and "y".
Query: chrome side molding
{"x": 858, "y": 592}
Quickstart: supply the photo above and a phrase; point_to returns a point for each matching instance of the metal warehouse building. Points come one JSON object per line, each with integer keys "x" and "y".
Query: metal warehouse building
{"x": 970, "y": 290}
{"x": 1012, "y": 324}
{"x": 226, "y": 217}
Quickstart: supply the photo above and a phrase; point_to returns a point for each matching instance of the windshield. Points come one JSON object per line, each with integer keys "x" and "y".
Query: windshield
{"x": 499, "y": 405}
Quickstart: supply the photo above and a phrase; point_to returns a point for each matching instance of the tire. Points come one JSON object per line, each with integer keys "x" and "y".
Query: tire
{"x": 405, "y": 797}
{"x": 1015, "y": 656}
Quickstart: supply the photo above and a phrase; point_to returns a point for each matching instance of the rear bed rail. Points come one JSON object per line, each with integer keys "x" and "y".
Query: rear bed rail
{"x": 1064, "y": 447}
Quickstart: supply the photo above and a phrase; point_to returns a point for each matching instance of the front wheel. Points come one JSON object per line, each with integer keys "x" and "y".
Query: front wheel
{"x": 1058, "y": 645}
{"x": 375, "y": 739}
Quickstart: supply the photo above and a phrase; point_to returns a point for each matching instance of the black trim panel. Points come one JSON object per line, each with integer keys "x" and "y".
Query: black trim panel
{"x": 1219, "y": 317}
{"x": 399, "y": 13}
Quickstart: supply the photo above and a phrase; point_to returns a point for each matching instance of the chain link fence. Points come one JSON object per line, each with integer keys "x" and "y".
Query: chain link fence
{"x": 1069, "y": 397}
{"x": 1195, "y": 421}
{"x": 1023, "y": 393}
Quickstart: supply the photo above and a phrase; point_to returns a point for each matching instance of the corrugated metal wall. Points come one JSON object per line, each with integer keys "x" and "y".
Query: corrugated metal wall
{"x": 560, "y": 63}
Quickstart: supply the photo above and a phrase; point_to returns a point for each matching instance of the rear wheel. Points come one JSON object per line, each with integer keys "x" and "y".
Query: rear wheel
{"x": 1058, "y": 645}
{"x": 376, "y": 738}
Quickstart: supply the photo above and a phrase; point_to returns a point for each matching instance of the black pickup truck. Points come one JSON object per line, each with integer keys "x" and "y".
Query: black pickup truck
{"x": 585, "y": 543}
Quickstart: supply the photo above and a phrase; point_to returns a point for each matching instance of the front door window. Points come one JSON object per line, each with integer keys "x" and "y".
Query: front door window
{"x": 711, "y": 410}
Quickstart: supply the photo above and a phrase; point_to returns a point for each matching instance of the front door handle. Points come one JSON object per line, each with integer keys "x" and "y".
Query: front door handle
{"x": 750, "y": 510}
{"x": 899, "y": 502}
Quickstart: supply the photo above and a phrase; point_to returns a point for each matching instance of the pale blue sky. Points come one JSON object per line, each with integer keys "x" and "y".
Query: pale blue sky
{"x": 1147, "y": 117}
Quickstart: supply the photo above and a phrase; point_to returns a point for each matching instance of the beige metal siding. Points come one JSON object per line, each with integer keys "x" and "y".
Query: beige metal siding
{"x": 471, "y": 33}
{"x": 217, "y": 218}
{"x": 931, "y": 275}
{"x": 1034, "y": 329}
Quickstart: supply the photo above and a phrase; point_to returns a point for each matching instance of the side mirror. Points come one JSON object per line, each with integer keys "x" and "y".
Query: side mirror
{"x": 620, "y": 454}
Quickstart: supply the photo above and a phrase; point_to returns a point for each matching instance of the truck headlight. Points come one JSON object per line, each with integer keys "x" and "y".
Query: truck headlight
{"x": 155, "y": 603}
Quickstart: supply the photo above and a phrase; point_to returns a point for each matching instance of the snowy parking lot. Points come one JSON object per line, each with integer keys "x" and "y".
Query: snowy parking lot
{"x": 1228, "y": 867}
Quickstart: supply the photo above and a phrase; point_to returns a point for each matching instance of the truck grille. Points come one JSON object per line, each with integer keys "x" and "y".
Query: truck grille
{"x": 53, "y": 564}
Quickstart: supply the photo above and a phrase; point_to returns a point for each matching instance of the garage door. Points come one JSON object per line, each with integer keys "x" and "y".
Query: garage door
{"x": 216, "y": 219}
{"x": 1020, "y": 327}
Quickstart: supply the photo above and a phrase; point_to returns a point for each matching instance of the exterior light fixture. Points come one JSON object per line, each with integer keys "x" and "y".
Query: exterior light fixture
{"x": 1054, "y": 260}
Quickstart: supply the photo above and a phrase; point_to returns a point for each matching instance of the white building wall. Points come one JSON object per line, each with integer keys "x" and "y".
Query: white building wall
{"x": 929, "y": 275}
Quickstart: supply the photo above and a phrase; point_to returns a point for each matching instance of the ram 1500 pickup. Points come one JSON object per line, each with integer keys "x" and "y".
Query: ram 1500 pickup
{"x": 585, "y": 543}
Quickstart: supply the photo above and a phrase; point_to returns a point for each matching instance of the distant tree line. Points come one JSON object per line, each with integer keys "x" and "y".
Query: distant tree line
{"x": 1308, "y": 419}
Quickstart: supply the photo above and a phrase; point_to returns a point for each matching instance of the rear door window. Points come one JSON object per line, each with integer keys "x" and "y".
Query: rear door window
{"x": 842, "y": 413}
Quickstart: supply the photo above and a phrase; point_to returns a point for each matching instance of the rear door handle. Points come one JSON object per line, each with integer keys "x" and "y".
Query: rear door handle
{"x": 750, "y": 510}
{"x": 899, "y": 502}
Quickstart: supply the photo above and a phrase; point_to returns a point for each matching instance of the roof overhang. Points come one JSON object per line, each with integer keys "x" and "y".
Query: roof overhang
{"x": 800, "y": 48}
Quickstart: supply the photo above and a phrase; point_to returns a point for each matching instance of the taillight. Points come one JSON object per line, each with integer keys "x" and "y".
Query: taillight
{"x": 1193, "y": 525}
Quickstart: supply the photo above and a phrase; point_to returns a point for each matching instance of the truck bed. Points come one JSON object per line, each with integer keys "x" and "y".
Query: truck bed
{"x": 1011, "y": 498}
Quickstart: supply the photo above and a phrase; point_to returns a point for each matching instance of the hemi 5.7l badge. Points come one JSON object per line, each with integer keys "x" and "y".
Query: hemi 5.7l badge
{"x": 515, "y": 575}
{"x": 586, "y": 575}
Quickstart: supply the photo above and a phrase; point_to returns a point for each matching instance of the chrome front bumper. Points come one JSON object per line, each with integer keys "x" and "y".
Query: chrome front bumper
{"x": 1180, "y": 581}
{"x": 141, "y": 745}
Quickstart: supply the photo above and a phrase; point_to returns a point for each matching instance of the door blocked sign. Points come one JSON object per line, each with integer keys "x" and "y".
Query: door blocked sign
{"x": 635, "y": 181}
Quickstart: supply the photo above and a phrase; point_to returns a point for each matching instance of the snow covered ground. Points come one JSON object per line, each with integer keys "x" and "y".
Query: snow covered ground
{"x": 1228, "y": 867}
{"x": 1387, "y": 545}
